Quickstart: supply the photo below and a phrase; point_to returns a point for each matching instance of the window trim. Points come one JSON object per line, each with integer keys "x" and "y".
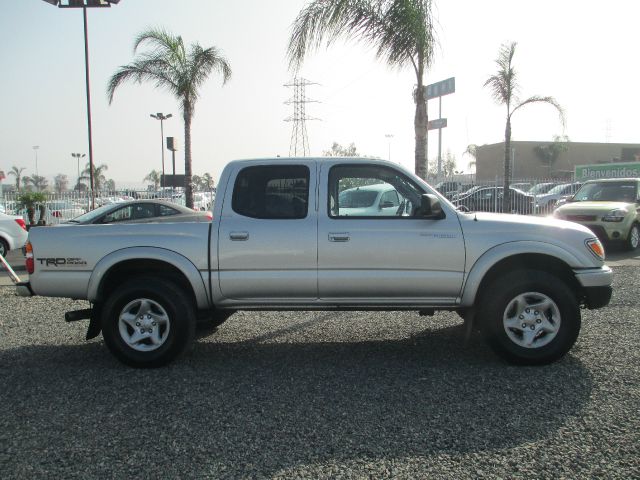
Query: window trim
{"x": 273, "y": 167}
{"x": 371, "y": 217}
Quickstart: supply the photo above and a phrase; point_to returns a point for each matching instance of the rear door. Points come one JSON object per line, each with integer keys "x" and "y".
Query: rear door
{"x": 267, "y": 238}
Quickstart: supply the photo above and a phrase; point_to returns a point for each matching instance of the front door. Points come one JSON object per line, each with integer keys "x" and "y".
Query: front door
{"x": 366, "y": 256}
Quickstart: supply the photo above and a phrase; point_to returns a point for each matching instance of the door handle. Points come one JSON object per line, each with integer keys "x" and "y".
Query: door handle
{"x": 339, "y": 237}
{"x": 239, "y": 236}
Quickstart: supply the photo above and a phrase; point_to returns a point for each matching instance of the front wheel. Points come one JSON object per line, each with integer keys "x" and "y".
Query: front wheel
{"x": 530, "y": 317}
{"x": 633, "y": 239}
{"x": 147, "y": 322}
{"x": 4, "y": 248}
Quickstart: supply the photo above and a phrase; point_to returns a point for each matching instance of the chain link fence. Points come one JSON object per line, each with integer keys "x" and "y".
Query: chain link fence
{"x": 59, "y": 207}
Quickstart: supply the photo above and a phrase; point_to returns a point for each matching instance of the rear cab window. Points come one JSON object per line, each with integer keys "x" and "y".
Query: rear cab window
{"x": 272, "y": 192}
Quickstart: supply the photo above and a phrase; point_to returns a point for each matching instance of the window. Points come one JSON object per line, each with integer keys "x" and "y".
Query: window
{"x": 272, "y": 192}
{"x": 165, "y": 211}
{"x": 143, "y": 210}
{"x": 367, "y": 191}
{"x": 119, "y": 215}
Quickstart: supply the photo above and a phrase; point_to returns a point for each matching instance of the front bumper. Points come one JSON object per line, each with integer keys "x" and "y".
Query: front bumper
{"x": 597, "y": 297}
{"x": 596, "y": 283}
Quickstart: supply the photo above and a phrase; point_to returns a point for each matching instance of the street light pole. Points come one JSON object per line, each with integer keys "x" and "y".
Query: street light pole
{"x": 162, "y": 118}
{"x": 389, "y": 136}
{"x": 84, "y": 4}
{"x": 35, "y": 149}
{"x": 78, "y": 156}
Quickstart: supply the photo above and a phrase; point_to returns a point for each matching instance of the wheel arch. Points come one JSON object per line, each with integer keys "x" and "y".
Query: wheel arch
{"x": 513, "y": 256}
{"x": 118, "y": 266}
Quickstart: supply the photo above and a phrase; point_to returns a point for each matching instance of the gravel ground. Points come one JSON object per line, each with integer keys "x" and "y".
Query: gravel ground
{"x": 319, "y": 395}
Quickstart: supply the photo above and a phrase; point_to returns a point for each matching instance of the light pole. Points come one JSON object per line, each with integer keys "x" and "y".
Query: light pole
{"x": 162, "y": 118}
{"x": 35, "y": 150}
{"x": 84, "y": 4}
{"x": 78, "y": 156}
{"x": 389, "y": 136}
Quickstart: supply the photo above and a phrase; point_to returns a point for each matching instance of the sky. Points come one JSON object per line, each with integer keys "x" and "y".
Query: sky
{"x": 582, "y": 52}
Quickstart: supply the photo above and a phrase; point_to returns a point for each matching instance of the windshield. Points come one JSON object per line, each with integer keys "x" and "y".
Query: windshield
{"x": 92, "y": 215}
{"x": 560, "y": 189}
{"x": 357, "y": 198}
{"x": 607, "y": 192}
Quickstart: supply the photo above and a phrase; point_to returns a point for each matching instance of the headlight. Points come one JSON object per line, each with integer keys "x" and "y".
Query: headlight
{"x": 595, "y": 247}
{"x": 616, "y": 215}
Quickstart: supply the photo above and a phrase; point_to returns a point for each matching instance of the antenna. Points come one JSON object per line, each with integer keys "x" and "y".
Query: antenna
{"x": 299, "y": 145}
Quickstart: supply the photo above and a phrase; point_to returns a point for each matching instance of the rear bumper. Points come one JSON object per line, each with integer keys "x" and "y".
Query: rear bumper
{"x": 596, "y": 283}
{"x": 23, "y": 289}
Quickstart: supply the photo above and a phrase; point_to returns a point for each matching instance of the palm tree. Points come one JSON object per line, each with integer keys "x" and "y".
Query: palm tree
{"x": 207, "y": 181}
{"x": 39, "y": 182}
{"x": 17, "y": 172}
{"x": 504, "y": 89}
{"x": 99, "y": 178}
{"x": 170, "y": 65}
{"x": 400, "y": 30}
{"x": 472, "y": 151}
{"x": 153, "y": 177}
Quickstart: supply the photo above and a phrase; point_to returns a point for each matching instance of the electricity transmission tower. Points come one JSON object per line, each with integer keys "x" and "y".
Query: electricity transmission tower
{"x": 299, "y": 145}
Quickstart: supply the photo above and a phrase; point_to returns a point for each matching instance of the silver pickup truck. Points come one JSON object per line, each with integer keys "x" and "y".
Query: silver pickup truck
{"x": 324, "y": 234}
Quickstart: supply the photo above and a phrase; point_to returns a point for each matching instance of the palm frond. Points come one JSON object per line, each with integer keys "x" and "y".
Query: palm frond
{"x": 549, "y": 100}
{"x": 504, "y": 84}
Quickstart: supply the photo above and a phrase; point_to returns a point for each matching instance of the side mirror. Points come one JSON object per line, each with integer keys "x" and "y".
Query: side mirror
{"x": 386, "y": 205}
{"x": 430, "y": 207}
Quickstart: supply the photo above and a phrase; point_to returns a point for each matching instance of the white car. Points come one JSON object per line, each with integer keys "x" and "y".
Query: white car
{"x": 59, "y": 211}
{"x": 13, "y": 233}
{"x": 371, "y": 200}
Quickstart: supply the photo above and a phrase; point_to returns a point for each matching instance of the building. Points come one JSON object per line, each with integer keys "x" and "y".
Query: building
{"x": 527, "y": 164}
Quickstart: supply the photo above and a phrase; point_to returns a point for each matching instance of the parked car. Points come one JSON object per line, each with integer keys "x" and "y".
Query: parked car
{"x": 13, "y": 233}
{"x": 449, "y": 188}
{"x": 370, "y": 200}
{"x": 610, "y": 208}
{"x": 140, "y": 211}
{"x": 59, "y": 211}
{"x": 546, "y": 202}
{"x": 489, "y": 199}
{"x": 522, "y": 186}
{"x": 540, "y": 188}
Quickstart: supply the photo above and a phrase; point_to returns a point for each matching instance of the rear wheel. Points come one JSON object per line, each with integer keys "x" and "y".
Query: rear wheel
{"x": 4, "y": 248}
{"x": 147, "y": 322}
{"x": 633, "y": 239}
{"x": 530, "y": 317}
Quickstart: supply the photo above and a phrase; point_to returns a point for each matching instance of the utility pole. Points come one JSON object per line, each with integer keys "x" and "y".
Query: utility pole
{"x": 299, "y": 145}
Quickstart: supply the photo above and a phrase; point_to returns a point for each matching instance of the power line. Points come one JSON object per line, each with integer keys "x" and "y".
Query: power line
{"x": 299, "y": 145}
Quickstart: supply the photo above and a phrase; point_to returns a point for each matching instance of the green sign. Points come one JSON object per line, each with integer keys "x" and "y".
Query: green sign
{"x": 608, "y": 170}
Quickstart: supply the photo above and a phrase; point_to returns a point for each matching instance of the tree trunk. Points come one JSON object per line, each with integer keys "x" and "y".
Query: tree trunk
{"x": 188, "y": 190}
{"x": 420, "y": 125}
{"x": 506, "y": 205}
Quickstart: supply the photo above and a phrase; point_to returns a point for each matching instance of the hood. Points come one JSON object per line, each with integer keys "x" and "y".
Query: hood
{"x": 483, "y": 231}
{"x": 527, "y": 224}
{"x": 591, "y": 208}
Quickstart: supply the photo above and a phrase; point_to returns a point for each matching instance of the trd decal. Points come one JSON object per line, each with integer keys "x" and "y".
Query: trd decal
{"x": 61, "y": 262}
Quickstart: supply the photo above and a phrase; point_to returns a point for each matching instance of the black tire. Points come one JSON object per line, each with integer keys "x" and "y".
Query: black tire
{"x": 633, "y": 238}
{"x": 498, "y": 309}
{"x": 4, "y": 248}
{"x": 170, "y": 311}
